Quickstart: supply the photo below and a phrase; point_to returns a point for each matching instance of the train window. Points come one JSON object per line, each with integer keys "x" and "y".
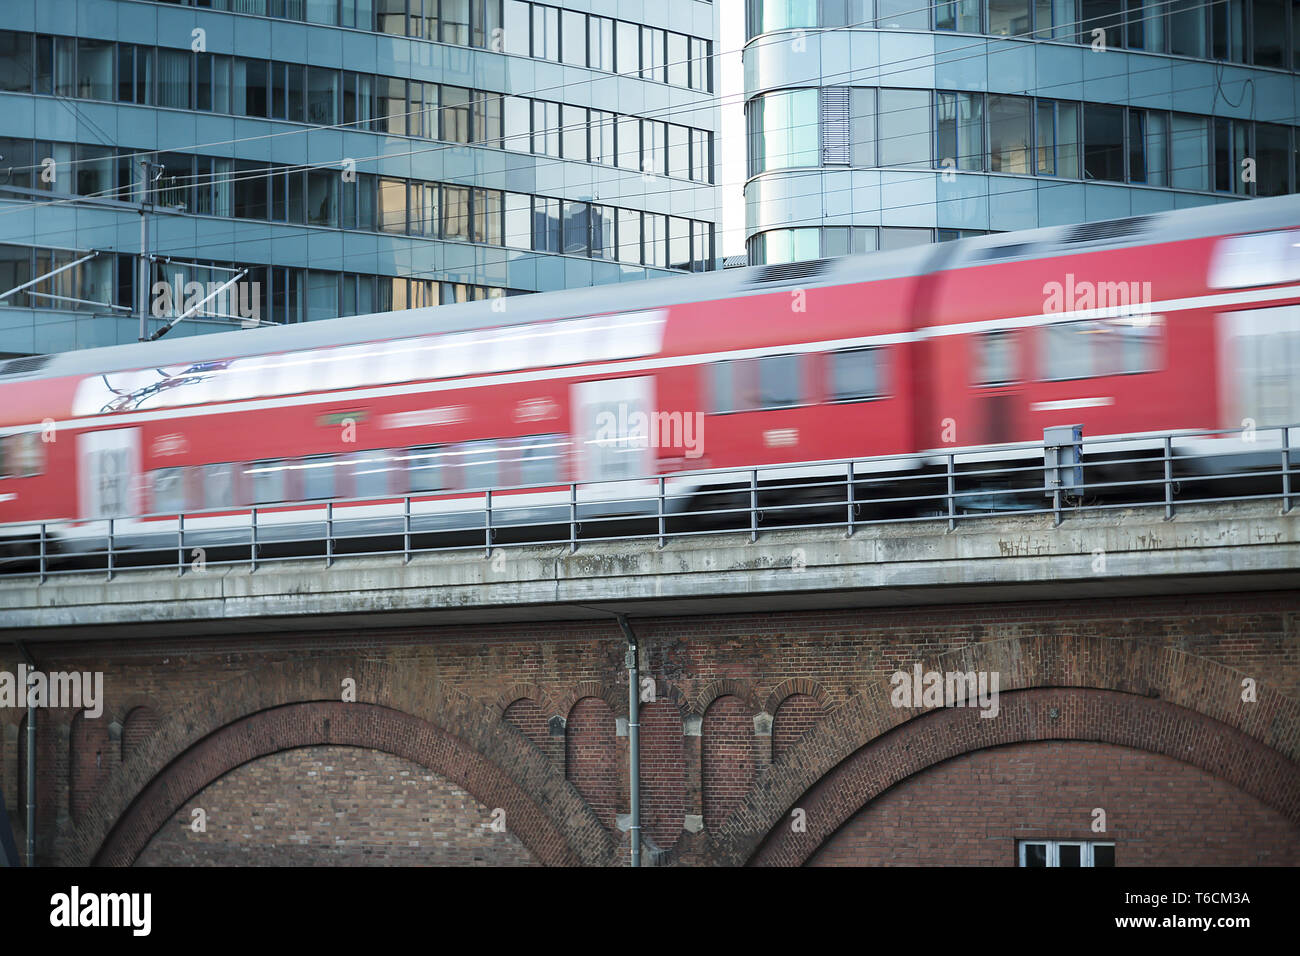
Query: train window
{"x": 218, "y": 485}
{"x": 424, "y": 469}
{"x": 1265, "y": 258}
{"x": 856, "y": 375}
{"x": 370, "y": 473}
{"x": 995, "y": 358}
{"x": 745, "y": 385}
{"x": 317, "y": 475}
{"x": 722, "y": 378}
{"x": 538, "y": 460}
{"x": 267, "y": 481}
{"x": 169, "y": 491}
{"x": 1101, "y": 347}
{"x": 478, "y": 464}
{"x": 778, "y": 381}
{"x": 22, "y": 455}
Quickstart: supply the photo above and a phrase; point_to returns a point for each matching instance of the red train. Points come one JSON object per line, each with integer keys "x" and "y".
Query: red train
{"x": 1181, "y": 320}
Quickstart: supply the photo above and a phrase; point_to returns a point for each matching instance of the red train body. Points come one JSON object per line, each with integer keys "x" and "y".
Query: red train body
{"x": 972, "y": 343}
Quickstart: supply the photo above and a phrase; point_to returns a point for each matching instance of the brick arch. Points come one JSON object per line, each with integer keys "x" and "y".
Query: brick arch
{"x": 468, "y": 736}
{"x": 795, "y": 685}
{"x": 517, "y": 692}
{"x": 1106, "y": 689}
{"x": 613, "y": 696}
{"x": 138, "y": 724}
{"x": 725, "y": 687}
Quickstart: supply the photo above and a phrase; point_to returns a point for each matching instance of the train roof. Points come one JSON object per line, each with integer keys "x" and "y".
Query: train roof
{"x": 1223, "y": 218}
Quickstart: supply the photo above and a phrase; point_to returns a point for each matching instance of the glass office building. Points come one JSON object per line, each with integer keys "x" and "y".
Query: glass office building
{"x": 355, "y": 156}
{"x": 875, "y": 124}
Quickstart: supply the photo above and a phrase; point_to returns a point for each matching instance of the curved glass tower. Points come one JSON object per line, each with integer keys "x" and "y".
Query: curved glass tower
{"x": 875, "y": 124}
{"x": 354, "y": 156}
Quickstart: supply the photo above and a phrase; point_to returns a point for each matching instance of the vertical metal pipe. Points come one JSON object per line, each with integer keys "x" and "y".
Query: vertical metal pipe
{"x": 180, "y": 545}
{"x": 406, "y": 530}
{"x": 1286, "y": 469}
{"x": 31, "y": 756}
{"x": 633, "y": 737}
{"x": 329, "y": 534}
{"x": 662, "y": 536}
{"x": 952, "y": 486}
{"x": 1169, "y": 477}
{"x": 573, "y": 519}
{"x": 143, "y": 273}
{"x": 487, "y": 524}
{"x": 849, "y": 500}
{"x": 753, "y": 505}
{"x": 42, "y": 553}
{"x": 110, "y": 549}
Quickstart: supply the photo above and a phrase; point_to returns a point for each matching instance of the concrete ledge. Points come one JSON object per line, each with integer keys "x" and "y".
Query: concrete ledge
{"x": 1236, "y": 546}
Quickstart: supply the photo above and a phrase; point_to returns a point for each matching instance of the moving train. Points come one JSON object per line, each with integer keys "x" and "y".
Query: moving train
{"x": 1185, "y": 320}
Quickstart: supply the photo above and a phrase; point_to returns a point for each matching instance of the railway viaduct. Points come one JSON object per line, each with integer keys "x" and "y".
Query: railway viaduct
{"x": 465, "y": 709}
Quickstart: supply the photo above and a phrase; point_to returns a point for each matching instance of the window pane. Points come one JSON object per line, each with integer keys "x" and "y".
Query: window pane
{"x": 1272, "y": 143}
{"x": 424, "y": 469}
{"x": 629, "y": 236}
{"x": 1190, "y": 152}
{"x": 678, "y": 62}
{"x": 961, "y": 130}
{"x": 391, "y": 108}
{"x": 855, "y": 374}
{"x": 1035, "y": 854}
{"x": 1137, "y": 156}
{"x": 995, "y": 364}
{"x": 1009, "y": 17}
{"x": 517, "y": 124}
{"x": 1104, "y": 15}
{"x": 322, "y": 93}
{"x": 1187, "y": 28}
{"x": 1103, "y": 142}
{"x": 1070, "y": 854}
{"x": 960, "y": 15}
{"x": 783, "y": 130}
{"x": 897, "y": 237}
{"x": 546, "y": 33}
{"x": 902, "y": 15}
{"x": 904, "y": 125}
{"x": 455, "y": 21}
{"x": 514, "y": 38}
{"x": 1103, "y": 854}
{"x": 16, "y": 68}
{"x": 1009, "y": 134}
{"x": 455, "y": 114}
{"x": 95, "y": 71}
{"x": 455, "y": 212}
{"x": 862, "y": 126}
{"x": 629, "y": 48}
{"x": 574, "y": 41}
{"x": 392, "y": 205}
{"x": 574, "y": 120}
{"x": 1157, "y": 148}
{"x": 266, "y": 480}
{"x": 778, "y": 381}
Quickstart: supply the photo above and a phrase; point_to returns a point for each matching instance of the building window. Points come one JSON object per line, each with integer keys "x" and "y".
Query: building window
{"x": 1041, "y": 853}
{"x": 904, "y": 128}
{"x": 783, "y": 130}
{"x": 961, "y": 130}
{"x": 1103, "y": 142}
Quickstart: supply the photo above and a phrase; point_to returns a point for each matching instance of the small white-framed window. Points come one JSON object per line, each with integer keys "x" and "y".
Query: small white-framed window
{"x": 1066, "y": 853}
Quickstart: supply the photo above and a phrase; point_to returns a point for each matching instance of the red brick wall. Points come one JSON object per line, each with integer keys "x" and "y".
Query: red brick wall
{"x": 334, "y": 806}
{"x": 139, "y": 724}
{"x": 663, "y": 772}
{"x": 797, "y": 715}
{"x": 728, "y": 757}
{"x": 972, "y": 810}
{"x": 841, "y": 653}
{"x": 591, "y": 756}
{"x": 91, "y": 758}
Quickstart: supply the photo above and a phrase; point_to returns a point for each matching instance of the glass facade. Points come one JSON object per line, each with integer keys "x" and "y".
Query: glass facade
{"x": 1066, "y": 111}
{"x": 353, "y": 155}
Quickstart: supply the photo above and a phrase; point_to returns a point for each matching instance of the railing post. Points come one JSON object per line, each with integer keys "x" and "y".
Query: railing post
{"x": 753, "y": 504}
{"x": 110, "y": 549}
{"x": 849, "y": 499}
{"x": 1169, "y": 477}
{"x": 42, "y": 568}
{"x": 180, "y": 545}
{"x": 406, "y": 530}
{"x": 573, "y": 518}
{"x": 329, "y": 534}
{"x": 252, "y": 562}
{"x": 952, "y": 487}
{"x": 487, "y": 524}
{"x": 1286, "y": 470}
{"x": 662, "y": 535}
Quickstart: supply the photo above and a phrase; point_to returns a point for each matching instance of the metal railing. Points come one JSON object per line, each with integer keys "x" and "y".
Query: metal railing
{"x": 1057, "y": 477}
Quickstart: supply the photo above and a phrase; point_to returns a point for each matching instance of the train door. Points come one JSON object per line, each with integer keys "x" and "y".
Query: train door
{"x": 999, "y": 385}
{"x": 1259, "y": 353}
{"x": 613, "y": 426}
{"x": 108, "y": 473}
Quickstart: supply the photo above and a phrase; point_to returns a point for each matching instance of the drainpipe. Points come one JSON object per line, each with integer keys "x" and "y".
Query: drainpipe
{"x": 31, "y": 760}
{"x": 633, "y": 736}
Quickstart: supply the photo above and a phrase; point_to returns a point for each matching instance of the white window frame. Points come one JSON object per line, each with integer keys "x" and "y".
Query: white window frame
{"x": 1086, "y": 858}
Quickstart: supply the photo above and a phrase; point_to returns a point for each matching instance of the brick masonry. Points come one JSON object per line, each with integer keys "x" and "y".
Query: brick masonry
{"x": 754, "y": 715}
